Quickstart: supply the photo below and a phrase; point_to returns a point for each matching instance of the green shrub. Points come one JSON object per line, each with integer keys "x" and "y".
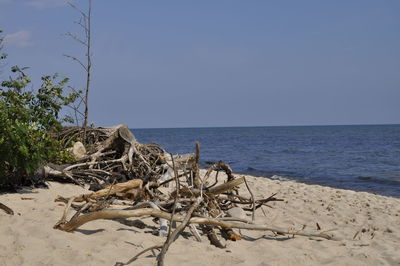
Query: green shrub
{"x": 28, "y": 121}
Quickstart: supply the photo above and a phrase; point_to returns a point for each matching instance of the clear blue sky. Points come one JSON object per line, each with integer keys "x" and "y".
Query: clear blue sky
{"x": 221, "y": 62}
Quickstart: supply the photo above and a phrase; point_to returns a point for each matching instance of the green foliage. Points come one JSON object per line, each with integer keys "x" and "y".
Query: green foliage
{"x": 28, "y": 120}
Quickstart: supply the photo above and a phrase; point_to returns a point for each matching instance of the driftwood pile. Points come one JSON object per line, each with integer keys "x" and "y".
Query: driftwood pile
{"x": 137, "y": 180}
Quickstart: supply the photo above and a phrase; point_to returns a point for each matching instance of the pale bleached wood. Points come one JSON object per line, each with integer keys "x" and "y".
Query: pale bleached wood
{"x": 109, "y": 214}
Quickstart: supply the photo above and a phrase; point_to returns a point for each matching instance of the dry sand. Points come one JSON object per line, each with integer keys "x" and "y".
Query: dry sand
{"x": 28, "y": 237}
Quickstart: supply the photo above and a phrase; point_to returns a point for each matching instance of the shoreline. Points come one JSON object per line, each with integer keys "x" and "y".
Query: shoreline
{"x": 28, "y": 236}
{"x": 283, "y": 178}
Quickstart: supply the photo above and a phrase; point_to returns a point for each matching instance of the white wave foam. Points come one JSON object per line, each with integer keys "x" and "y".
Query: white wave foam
{"x": 279, "y": 177}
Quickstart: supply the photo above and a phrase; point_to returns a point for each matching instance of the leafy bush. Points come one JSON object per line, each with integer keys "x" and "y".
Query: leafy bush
{"x": 28, "y": 121}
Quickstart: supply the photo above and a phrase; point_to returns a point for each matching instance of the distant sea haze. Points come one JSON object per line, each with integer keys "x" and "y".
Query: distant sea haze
{"x": 362, "y": 158}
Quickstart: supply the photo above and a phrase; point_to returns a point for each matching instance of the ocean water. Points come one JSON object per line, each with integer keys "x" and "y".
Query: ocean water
{"x": 362, "y": 158}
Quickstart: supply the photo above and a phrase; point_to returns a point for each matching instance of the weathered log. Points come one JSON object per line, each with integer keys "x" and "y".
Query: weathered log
{"x": 109, "y": 191}
{"x": 75, "y": 223}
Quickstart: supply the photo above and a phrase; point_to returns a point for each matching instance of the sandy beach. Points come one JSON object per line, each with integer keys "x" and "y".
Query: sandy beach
{"x": 111, "y": 111}
{"x": 28, "y": 237}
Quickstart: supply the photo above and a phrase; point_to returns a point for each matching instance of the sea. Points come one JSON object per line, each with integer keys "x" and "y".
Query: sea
{"x": 356, "y": 157}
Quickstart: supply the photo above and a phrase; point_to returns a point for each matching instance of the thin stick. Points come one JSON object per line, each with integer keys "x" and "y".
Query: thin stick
{"x": 137, "y": 255}
{"x": 177, "y": 184}
{"x": 216, "y": 180}
{"x": 197, "y": 181}
{"x": 263, "y": 211}
{"x": 171, "y": 179}
{"x": 173, "y": 236}
{"x": 109, "y": 191}
{"x": 218, "y": 189}
{"x": 81, "y": 209}
{"x": 195, "y": 233}
{"x": 122, "y": 159}
{"x": 64, "y": 216}
{"x": 6, "y": 209}
{"x": 252, "y": 198}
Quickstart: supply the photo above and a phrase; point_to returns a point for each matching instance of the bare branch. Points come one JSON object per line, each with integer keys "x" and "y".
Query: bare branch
{"x": 75, "y": 91}
{"x": 77, "y": 9}
{"x": 252, "y": 199}
{"x": 77, "y": 60}
{"x": 83, "y": 26}
{"x": 75, "y": 109}
{"x": 76, "y": 38}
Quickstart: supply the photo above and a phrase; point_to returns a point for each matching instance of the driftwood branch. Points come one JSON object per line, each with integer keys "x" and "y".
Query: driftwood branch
{"x": 252, "y": 199}
{"x": 6, "y": 209}
{"x": 176, "y": 198}
{"x": 138, "y": 255}
{"x": 212, "y": 237}
{"x": 110, "y": 214}
{"x": 111, "y": 190}
{"x": 215, "y": 190}
{"x": 171, "y": 238}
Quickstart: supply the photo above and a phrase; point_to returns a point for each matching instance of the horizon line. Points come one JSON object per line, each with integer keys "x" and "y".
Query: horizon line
{"x": 312, "y": 125}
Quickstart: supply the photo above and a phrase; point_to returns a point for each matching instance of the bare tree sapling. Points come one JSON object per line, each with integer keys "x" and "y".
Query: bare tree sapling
{"x": 84, "y": 23}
